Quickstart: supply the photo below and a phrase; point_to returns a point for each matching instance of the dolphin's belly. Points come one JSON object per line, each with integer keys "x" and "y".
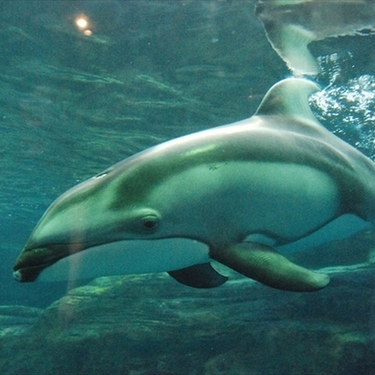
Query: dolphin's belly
{"x": 284, "y": 201}
{"x": 129, "y": 257}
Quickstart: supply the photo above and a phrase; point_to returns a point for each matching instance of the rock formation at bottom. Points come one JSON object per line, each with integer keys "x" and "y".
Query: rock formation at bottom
{"x": 151, "y": 325}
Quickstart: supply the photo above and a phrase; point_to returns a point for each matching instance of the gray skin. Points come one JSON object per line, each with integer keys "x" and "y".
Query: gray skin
{"x": 280, "y": 174}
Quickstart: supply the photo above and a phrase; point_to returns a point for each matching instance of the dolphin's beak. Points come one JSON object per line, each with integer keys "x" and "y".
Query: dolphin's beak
{"x": 27, "y": 274}
{"x": 32, "y": 261}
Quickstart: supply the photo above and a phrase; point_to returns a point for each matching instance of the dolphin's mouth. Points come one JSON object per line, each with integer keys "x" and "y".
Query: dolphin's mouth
{"x": 29, "y": 274}
{"x": 32, "y": 261}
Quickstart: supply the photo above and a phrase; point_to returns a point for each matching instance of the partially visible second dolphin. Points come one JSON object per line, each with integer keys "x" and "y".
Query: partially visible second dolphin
{"x": 279, "y": 174}
{"x": 291, "y": 25}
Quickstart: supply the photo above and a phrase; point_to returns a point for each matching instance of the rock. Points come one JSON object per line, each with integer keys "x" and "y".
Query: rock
{"x": 149, "y": 324}
{"x": 298, "y": 349}
{"x": 17, "y": 320}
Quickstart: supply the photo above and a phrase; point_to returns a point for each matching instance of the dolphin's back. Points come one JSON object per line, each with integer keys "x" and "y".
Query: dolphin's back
{"x": 284, "y": 131}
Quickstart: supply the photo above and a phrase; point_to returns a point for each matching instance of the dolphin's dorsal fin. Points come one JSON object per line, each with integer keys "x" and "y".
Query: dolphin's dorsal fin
{"x": 289, "y": 97}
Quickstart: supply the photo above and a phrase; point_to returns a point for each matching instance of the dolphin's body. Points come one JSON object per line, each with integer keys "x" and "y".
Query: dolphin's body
{"x": 172, "y": 207}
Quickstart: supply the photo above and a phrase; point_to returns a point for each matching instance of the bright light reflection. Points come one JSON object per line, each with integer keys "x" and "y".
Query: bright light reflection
{"x": 81, "y": 22}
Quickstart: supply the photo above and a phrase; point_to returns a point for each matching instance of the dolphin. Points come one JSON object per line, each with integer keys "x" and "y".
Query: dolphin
{"x": 230, "y": 194}
{"x": 291, "y": 25}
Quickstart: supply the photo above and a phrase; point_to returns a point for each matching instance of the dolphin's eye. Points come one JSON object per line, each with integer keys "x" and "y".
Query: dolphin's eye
{"x": 150, "y": 223}
{"x": 145, "y": 221}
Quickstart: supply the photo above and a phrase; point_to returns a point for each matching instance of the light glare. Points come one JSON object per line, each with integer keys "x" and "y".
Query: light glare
{"x": 81, "y": 22}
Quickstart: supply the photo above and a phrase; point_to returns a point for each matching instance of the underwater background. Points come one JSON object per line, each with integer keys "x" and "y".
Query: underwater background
{"x": 77, "y": 99}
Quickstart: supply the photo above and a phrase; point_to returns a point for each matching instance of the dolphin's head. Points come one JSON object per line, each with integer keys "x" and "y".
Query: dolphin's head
{"x": 138, "y": 199}
{"x": 113, "y": 206}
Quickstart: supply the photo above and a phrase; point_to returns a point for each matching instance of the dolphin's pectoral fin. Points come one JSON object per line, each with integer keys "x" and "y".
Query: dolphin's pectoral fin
{"x": 266, "y": 265}
{"x": 199, "y": 276}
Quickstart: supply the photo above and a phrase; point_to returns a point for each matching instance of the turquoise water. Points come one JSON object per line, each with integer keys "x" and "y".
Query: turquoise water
{"x": 77, "y": 99}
